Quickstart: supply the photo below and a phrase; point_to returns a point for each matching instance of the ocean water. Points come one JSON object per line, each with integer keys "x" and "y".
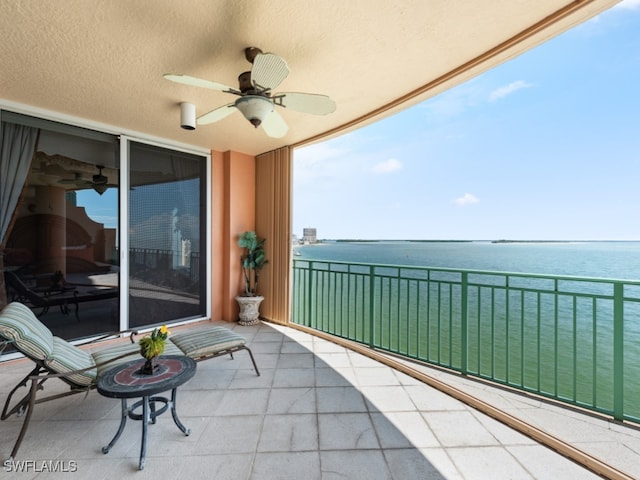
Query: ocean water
{"x": 617, "y": 260}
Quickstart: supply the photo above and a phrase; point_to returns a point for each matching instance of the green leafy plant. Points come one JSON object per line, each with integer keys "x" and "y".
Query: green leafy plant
{"x": 153, "y": 345}
{"x": 252, "y": 261}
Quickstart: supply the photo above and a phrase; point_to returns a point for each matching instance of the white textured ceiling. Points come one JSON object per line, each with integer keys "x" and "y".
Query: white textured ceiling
{"x": 103, "y": 60}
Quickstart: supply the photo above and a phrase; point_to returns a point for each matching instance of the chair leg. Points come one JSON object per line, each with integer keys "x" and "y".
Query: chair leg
{"x": 255, "y": 366}
{"x": 32, "y": 397}
{"x": 19, "y": 406}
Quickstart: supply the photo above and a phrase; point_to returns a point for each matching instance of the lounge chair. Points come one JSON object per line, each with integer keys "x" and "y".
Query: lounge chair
{"x": 63, "y": 296}
{"x": 80, "y": 369}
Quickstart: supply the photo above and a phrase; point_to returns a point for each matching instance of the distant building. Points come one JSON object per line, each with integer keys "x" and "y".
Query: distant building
{"x": 309, "y": 235}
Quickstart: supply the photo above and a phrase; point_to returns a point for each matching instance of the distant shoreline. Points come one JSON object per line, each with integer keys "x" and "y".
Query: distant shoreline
{"x": 365, "y": 240}
{"x": 362, "y": 240}
{"x": 545, "y": 241}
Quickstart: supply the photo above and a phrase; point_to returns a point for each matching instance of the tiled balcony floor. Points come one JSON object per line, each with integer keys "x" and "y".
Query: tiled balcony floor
{"x": 318, "y": 411}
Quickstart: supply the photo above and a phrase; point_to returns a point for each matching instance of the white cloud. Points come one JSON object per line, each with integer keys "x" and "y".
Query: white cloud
{"x": 466, "y": 199}
{"x": 472, "y": 94}
{"x": 322, "y": 162}
{"x": 502, "y": 92}
{"x": 327, "y": 167}
{"x": 628, "y": 4}
{"x": 387, "y": 166}
{"x": 456, "y": 101}
{"x": 319, "y": 153}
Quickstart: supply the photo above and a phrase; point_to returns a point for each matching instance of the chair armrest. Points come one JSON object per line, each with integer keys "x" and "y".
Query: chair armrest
{"x": 130, "y": 332}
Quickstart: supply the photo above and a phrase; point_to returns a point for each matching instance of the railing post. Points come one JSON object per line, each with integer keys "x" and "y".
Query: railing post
{"x": 463, "y": 324}
{"x": 372, "y": 306}
{"x": 618, "y": 351}
{"x": 309, "y": 290}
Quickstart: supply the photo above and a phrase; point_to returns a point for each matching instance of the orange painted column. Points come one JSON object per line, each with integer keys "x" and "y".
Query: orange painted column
{"x": 233, "y": 212}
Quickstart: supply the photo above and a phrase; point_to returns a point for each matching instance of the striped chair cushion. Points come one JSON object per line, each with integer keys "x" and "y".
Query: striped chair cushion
{"x": 207, "y": 341}
{"x": 133, "y": 351}
{"x": 68, "y": 358}
{"x": 30, "y": 336}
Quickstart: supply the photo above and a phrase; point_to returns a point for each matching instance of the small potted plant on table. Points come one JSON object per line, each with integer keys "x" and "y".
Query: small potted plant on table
{"x": 252, "y": 261}
{"x": 151, "y": 347}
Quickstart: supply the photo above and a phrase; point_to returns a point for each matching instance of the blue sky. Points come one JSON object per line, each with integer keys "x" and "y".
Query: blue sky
{"x": 546, "y": 146}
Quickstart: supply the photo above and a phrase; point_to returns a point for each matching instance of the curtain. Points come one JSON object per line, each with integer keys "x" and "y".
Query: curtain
{"x": 17, "y": 146}
{"x": 273, "y": 222}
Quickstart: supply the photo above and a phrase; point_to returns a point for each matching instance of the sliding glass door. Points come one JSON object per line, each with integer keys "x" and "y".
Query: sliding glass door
{"x": 60, "y": 242}
{"x": 166, "y": 235}
{"x": 98, "y": 232}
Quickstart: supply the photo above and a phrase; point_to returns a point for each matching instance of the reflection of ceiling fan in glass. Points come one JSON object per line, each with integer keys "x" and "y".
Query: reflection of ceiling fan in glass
{"x": 99, "y": 182}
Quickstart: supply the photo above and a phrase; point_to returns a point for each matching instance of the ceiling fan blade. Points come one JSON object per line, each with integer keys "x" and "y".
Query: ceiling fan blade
{"x": 217, "y": 114}
{"x": 76, "y": 181}
{"x": 54, "y": 169}
{"x": 269, "y": 70}
{"x": 274, "y": 125}
{"x": 306, "y": 103}
{"x": 197, "y": 82}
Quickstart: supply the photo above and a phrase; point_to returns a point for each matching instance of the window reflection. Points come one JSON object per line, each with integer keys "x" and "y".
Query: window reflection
{"x": 59, "y": 228}
{"x": 60, "y": 248}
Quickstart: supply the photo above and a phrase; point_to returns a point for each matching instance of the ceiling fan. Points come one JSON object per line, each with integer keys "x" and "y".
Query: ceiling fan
{"x": 256, "y": 100}
{"x": 99, "y": 182}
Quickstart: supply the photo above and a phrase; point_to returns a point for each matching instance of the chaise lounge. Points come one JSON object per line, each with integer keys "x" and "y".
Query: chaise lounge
{"x": 63, "y": 297}
{"x": 80, "y": 369}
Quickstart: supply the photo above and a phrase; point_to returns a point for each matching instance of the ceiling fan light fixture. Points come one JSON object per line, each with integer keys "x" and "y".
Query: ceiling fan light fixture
{"x": 254, "y": 108}
{"x": 100, "y": 181}
{"x": 188, "y": 116}
{"x": 100, "y": 188}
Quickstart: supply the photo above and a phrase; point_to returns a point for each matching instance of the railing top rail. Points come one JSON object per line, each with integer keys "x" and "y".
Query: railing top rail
{"x": 473, "y": 271}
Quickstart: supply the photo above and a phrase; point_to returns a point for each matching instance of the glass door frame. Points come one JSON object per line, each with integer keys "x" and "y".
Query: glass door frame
{"x": 123, "y": 226}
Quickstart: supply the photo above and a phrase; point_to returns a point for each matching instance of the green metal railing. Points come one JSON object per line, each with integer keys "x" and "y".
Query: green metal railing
{"x": 573, "y": 339}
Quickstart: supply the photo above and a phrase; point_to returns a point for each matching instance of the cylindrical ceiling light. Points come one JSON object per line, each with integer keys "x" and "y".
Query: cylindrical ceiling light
{"x": 188, "y": 116}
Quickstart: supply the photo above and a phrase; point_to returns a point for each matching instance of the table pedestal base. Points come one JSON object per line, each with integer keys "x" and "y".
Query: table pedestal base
{"x": 148, "y": 415}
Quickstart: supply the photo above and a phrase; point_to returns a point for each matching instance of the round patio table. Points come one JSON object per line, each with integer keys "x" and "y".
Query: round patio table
{"x": 126, "y": 381}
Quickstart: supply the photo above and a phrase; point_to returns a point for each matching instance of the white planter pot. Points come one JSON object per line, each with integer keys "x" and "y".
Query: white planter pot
{"x": 249, "y": 309}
